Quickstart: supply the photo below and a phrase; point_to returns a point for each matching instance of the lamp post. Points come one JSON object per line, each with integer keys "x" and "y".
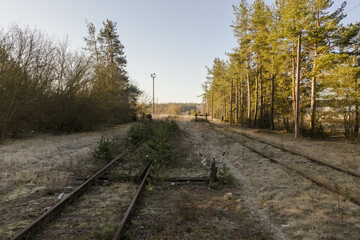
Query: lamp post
{"x": 153, "y": 77}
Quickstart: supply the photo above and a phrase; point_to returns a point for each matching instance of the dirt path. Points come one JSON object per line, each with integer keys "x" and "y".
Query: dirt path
{"x": 194, "y": 210}
{"x": 297, "y": 206}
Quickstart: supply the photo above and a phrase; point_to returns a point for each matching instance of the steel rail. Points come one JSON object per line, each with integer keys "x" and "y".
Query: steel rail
{"x": 300, "y": 155}
{"x": 184, "y": 179}
{"x": 53, "y": 211}
{"x": 126, "y": 218}
{"x": 144, "y": 171}
{"x": 301, "y": 173}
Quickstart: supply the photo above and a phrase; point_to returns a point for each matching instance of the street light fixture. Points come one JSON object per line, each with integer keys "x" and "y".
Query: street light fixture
{"x": 153, "y": 77}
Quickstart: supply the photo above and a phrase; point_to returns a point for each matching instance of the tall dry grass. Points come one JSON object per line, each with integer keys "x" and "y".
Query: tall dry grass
{"x": 51, "y": 160}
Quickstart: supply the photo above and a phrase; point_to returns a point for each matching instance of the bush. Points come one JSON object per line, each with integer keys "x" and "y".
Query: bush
{"x": 318, "y": 132}
{"x": 139, "y": 131}
{"x": 161, "y": 144}
{"x": 104, "y": 150}
{"x": 45, "y": 86}
{"x": 149, "y": 116}
{"x": 160, "y": 135}
{"x": 225, "y": 177}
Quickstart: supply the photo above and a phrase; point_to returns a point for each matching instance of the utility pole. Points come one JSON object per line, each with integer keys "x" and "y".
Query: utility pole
{"x": 297, "y": 88}
{"x": 153, "y": 77}
{"x": 231, "y": 102}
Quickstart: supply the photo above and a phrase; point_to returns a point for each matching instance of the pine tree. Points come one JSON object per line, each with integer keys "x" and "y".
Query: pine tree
{"x": 241, "y": 29}
{"x": 321, "y": 37}
{"x": 259, "y": 29}
{"x": 111, "y": 83}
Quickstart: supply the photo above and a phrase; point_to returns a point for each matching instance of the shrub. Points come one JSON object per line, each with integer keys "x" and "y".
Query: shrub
{"x": 149, "y": 116}
{"x": 139, "y": 131}
{"x": 160, "y": 135}
{"x": 104, "y": 150}
{"x": 225, "y": 177}
{"x": 318, "y": 132}
{"x": 161, "y": 144}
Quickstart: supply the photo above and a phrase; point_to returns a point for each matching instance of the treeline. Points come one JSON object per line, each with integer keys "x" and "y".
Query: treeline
{"x": 256, "y": 86}
{"x": 45, "y": 86}
{"x": 175, "y": 108}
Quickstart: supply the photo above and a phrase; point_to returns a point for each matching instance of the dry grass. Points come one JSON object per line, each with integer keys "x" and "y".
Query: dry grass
{"x": 289, "y": 206}
{"x": 95, "y": 215}
{"x": 49, "y": 160}
{"x": 346, "y": 184}
{"x": 34, "y": 171}
{"x": 187, "y": 163}
{"x": 194, "y": 212}
{"x": 340, "y": 153}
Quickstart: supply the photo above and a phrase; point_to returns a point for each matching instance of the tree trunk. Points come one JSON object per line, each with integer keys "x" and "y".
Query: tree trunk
{"x": 212, "y": 104}
{"x": 224, "y": 108}
{"x": 248, "y": 121}
{"x": 272, "y": 127}
{"x": 313, "y": 81}
{"x": 261, "y": 100}
{"x": 231, "y": 102}
{"x": 237, "y": 103}
{"x": 356, "y": 124}
{"x": 293, "y": 77}
{"x": 313, "y": 103}
{"x": 272, "y": 79}
{"x": 256, "y": 98}
{"x": 241, "y": 102}
{"x": 298, "y": 88}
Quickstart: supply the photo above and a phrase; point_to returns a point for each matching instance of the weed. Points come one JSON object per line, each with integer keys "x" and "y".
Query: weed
{"x": 49, "y": 191}
{"x": 225, "y": 177}
{"x": 185, "y": 207}
{"x": 104, "y": 230}
{"x": 159, "y": 135}
{"x": 317, "y": 132}
{"x": 282, "y": 147}
{"x": 139, "y": 131}
{"x": 104, "y": 150}
{"x": 161, "y": 145}
{"x": 347, "y": 193}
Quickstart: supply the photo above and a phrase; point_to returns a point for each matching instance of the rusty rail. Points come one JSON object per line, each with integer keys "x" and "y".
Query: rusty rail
{"x": 319, "y": 162}
{"x": 301, "y": 173}
{"x": 53, "y": 211}
{"x": 184, "y": 179}
{"x": 130, "y": 209}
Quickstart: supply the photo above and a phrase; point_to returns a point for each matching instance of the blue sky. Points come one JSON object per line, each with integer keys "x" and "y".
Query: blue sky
{"x": 173, "y": 38}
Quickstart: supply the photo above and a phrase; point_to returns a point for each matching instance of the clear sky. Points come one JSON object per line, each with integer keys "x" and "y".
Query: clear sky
{"x": 173, "y": 38}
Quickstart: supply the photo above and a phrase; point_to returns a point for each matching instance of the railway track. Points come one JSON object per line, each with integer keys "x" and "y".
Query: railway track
{"x": 335, "y": 179}
{"x": 305, "y": 156}
{"x": 37, "y": 227}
